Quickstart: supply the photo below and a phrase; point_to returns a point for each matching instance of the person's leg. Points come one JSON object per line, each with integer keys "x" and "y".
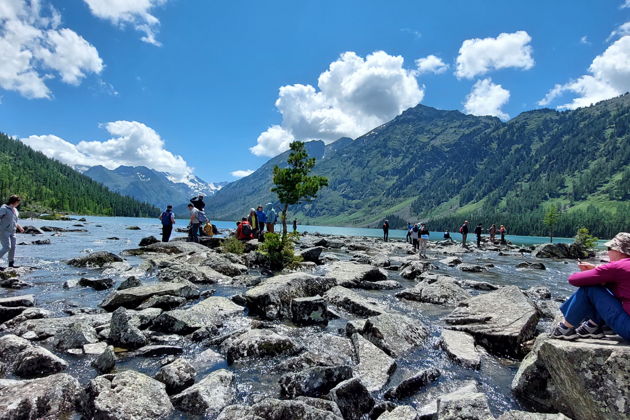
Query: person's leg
{"x": 5, "y": 242}
{"x": 166, "y": 233}
{"x": 609, "y": 310}
{"x": 12, "y": 246}
{"x": 578, "y": 308}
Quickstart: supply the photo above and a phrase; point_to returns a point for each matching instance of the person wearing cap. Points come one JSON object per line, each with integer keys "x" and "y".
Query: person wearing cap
{"x": 423, "y": 235}
{"x": 386, "y": 230}
{"x": 602, "y": 298}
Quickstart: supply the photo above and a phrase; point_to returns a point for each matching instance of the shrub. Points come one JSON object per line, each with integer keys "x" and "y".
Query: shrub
{"x": 278, "y": 251}
{"x": 233, "y": 246}
{"x": 584, "y": 239}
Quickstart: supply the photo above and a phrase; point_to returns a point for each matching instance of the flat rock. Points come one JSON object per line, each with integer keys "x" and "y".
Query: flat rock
{"x": 158, "y": 350}
{"x": 352, "y": 302}
{"x": 177, "y": 273}
{"x": 273, "y": 409}
{"x": 95, "y": 259}
{"x": 402, "y": 412}
{"x": 460, "y": 346}
{"x": 472, "y": 268}
{"x": 44, "y": 327}
{"x": 8, "y": 313}
{"x": 258, "y": 343}
{"x": 379, "y": 285}
{"x": 312, "y": 254}
{"x": 209, "y": 396}
{"x": 224, "y": 265}
{"x": 352, "y": 398}
{"x": 169, "y": 248}
{"x": 395, "y": 334}
{"x": 13, "y": 301}
{"x": 32, "y": 230}
{"x": 148, "y": 241}
{"x": 134, "y": 296}
{"x": 76, "y": 335}
{"x": 442, "y": 290}
{"x": 313, "y": 382}
{"x": 177, "y": 375}
{"x": 129, "y": 283}
{"x": 97, "y": 284}
{"x": 210, "y": 312}
{"x": 374, "y": 367}
{"x": 524, "y": 415}
{"x": 463, "y": 405}
{"x": 413, "y": 384}
{"x": 106, "y": 361}
{"x": 309, "y": 311}
{"x": 94, "y": 348}
{"x": 165, "y": 302}
{"x": 350, "y": 274}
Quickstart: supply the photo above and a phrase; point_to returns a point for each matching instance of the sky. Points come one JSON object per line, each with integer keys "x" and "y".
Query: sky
{"x": 217, "y": 88}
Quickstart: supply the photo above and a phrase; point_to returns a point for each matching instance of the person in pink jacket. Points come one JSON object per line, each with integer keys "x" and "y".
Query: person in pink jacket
{"x": 602, "y": 298}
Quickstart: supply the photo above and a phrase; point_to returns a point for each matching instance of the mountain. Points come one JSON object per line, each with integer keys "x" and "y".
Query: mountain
{"x": 444, "y": 167}
{"x": 154, "y": 187}
{"x": 47, "y": 185}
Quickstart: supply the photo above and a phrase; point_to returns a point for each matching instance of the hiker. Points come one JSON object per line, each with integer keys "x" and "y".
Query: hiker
{"x": 168, "y": 220}
{"x": 409, "y": 227}
{"x": 602, "y": 298}
{"x": 272, "y": 217}
{"x": 244, "y": 231}
{"x": 502, "y": 232}
{"x": 193, "y": 230}
{"x": 261, "y": 218}
{"x": 198, "y": 202}
{"x": 209, "y": 229}
{"x": 447, "y": 236}
{"x": 252, "y": 219}
{"x": 9, "y": 216}
{"x": 478, "y": 231}
{"x": 414, "y": 237}
{"x": 493, "y": 232}
{"x": 424, "y": 239}
{"x": 294, "y": 225}
{"x": 464, "y": 231}
{"x": 386, "y": 230}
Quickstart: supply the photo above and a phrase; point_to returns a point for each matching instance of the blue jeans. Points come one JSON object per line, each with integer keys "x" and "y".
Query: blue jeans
{"x": 597, "y": 303}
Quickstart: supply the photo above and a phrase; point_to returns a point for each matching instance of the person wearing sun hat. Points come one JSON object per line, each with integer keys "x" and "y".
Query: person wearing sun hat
{"x": 602, "y": 298}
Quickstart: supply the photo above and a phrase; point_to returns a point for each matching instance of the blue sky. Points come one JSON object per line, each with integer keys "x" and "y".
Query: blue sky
{"x": 183, "y": 86}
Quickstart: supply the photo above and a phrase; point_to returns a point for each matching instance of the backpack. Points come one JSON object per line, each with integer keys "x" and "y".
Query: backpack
{"x": 166, "y": 218}
{"x": 246, "y": 230}
{"x": 415, "y": 228}
{"x": 461, "y": 229}
{"x": 201, "y": 216}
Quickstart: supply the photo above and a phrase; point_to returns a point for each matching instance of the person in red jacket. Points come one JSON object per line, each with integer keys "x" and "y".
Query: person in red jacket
{"x": 244, "y": 231}
{"x": 602, "y": 298}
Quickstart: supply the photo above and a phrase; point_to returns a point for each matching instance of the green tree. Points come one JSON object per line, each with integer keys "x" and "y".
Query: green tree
{"x": 293, "y": 184}
{"x": 550, "y": 220}
{"x": 585, "y": 239}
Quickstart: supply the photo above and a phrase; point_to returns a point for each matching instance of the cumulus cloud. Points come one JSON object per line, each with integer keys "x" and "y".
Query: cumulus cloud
{"x": 242, "y": 173}
{"x": 431, "y": 64}
{"x": 354, "y": 95}
{"x": 129, "y": 12}
{"x": 609, "y": 76}
{"x": 132, "y": 144}
{"x": 626, "y": 4}
{"x": 479, "y": 56}
{"x": 621, "y": 31}
{"x": 487, "y": 98}
{"x": 33, "y": 49}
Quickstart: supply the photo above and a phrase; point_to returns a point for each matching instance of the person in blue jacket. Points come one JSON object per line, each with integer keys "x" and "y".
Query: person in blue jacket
{"x": 261, "y": 217}
{"x": 272, "y": 217}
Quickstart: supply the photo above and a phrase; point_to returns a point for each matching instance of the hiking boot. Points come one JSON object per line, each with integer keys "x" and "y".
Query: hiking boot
{"x": 607, "y": 330}
{"x": 562, "y": 332}
{"x": 12, "y": 265}
{"x": 1, "y": 268}
{"x": 589, "y": 330}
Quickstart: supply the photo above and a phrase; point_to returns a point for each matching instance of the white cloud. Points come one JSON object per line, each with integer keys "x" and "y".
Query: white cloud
{"x": 431, "y": 64}
{"x": 355, "y": 95}
{"x": 621, "y": 31}
{"x": 609, "y": 76}
{"x": 33, "y": 50}
{"x": 132, "y": 144}
{"x": 584, "y": 40}
{"x": 129, "y": 12}
{"x": 487, "y": 98}
{"x": 479, "y": 56}
{"x": 625, "y": 5}
{"x": 242, "y": 173}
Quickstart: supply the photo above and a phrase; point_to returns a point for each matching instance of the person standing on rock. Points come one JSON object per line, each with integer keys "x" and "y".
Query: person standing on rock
{"x": 423, "y": 234}
{"x": 193, "y": 230}
{"x": 198, "y": 202}
{"x": 478, "y": 231}
{"x": 261, "y": 218}
{"x": 272, "y": 218}
{"x": 502, "y": 232}
{"x": 252, "y": 219}
{"x": 294, "y": 225}
{"x": 414, "y": 237}
{"x": 447, "y": 236}
{"x": 168, "y": 220}
{"x": 493, "y": 232}
{"x": 9, "y": 216}
{"x": 386, "y": 230}
{"x": 602, "y": 298}
{"x": 464, "y": 231}
{"x": 409, "y": 227}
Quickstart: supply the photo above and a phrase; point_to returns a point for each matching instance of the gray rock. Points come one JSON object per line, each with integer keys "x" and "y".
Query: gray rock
{"x": 531, "y": 265}
{"x": 206, "y": 360}
{"x": 158, "y": 350}
{"x": 211, "y": 312}
{"x": 312, "y": 254}
{"x": 148, "y": 241}
{"x": 461, "y": 348}
{"x": 501, "y": 321}
{"x": 313, "y": 382}
{"x": 321, "y": 404}
{"x": 322, "y": 350}
{"x": 352, "y": 302}
{"x": 126, "y": 395}
{"x": 395, "y": 334}
{"x": 166, "y": 302}
{"x": 402, "y": 412}
{"x": 586, "y": 379}
{"x": 309, "y": 311}
{"x": 524, "y": 415}
{"x": 552, "y": 250}
{"x": 209, "y": 396}
{"x": 463, "y": 405}
{"x": 51, "y": 397}
{"x": 350, "y": 274}
{"x": 94, "y": 348}
{"x": 412, "y": 384}
{"x": 272, "y": 298}
{"x": 273, "y": 409}
{"x": 95, "y": 259}
{"x": 106, "y": 361}
{"x": 177, "y": 273}
{"x": 75, "y": 336}
{"x": 8, "y": 313}
{"x": 379, "y": 285}
{"x": 177, "y": 376}
{"x": 451, "y": 261}
{"x": 130, "y": 282}
{"x": 374, "y": 367}
{"x": 169, "y": 248}
{"x": 37, "y": 321}
{"x": 352, "y": 398}
{"x": 472, "y": 268}
{"x": 538, "y": 293}
{"x": 224, "y": 265}
{"x": 41, "y": 242}
{"x": 443, "y": 290}
{"x": 32, "y": 230}
{"x": 258, "y": 343}
{"x": 414, "y": 269}
{"x": 134, "y": 296}
{"x": 122, "y": 333}
{"x": 97, "y": 284}
{"x": 14, "y": 301}
{"x": 35, "y": 361}
{"x": 477, "y": 285}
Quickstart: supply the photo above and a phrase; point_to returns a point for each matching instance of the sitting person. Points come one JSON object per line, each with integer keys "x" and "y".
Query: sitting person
{"x": 602, "y": 298}
{"x": 244, "y": 231}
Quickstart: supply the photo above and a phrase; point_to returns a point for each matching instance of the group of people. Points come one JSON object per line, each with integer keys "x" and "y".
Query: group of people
{"x": 199, "y": 224}
{"x": 492, "y": 231}
{"x": 253, "y": 226}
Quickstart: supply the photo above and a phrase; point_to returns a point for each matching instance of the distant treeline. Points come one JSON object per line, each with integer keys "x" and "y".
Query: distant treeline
{"x": 47, "y": 185}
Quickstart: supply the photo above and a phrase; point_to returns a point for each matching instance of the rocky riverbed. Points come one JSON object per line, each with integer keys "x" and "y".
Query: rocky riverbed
{"x": 100, "y": 327}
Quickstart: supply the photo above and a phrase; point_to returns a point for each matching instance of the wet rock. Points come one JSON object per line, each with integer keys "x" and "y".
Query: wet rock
{"x": 379, "y": 285}
{"x": 322, "y": 350}
{"x": 557, "y": 250}
{"x": 165, "y": 302}
{"x": 352, "y": 398}
{"x": 309, "y": 311}
{"x": 402, "y": 412}
{"x": 8, "y": 313}
{"x": 51, "y": 397}
{"x": 211, "y": 312}
{"x": 13, "y": 283}
{"x": 206, "y": 359}
{"x": 477, "y": 285}
{"x": 273, "y": 409}
{"x": 443, "y": 290}
{"x": 258, "y": 343}
{"x": 451, "y": 261}
{"x": 169, "y": 248}
{"x": 35, "y": 361}
{"x": 134, "y": 296}
{"x": 94, "y": 348}
{"x": 41, "y": 242}
{"x": 144, "y": 318}
{"x": 122, "y": 333}
{"x": 106, "y": 361}
{"x": 312, "y": 254}
{"x": 158, "y": 350}
{"x": 463, "y": 405}
{"x": 350, "y": 274}
{"x": 177, "y": 376}
{"x": 129, "y": 283}
{"x": 313, "y": 382}
{"x": 97, "y": 284}
{"x": 178, "y": 273}
{"x": 501, "y": 321}
{"x": 148, "y": 241}
{"x": 531, "y": 265}
{"x": 133, "y": 228}
{"x": 321, "y": 404}
{"x": 414, "y": 269}
{"x": 412, "y": 384}
{"x": 395, "y": 334}
{"x": 272, "y": 298}
{"x": 95, "y": 259}
{"x": 374, "y": 367}
{"x": 126, "y": 395}
{"x": 224, "y": 266}
{"x": 524, "y": 415}
{"x": 461, "y": 348}
{"x": 32, "y": 230}
{"x": 352, "y": 302}
{"x": 582, "y": 379}
{"x": 209, "y": 396}
{"x": 75, "y": 336}
{"x": 37, "y": 321}
{"x": 14, "y": 301}
{"x": 472, "y": 268}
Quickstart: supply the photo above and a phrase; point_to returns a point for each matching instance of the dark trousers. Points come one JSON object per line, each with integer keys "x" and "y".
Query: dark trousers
{"x": 193, "y": 232}
{"x": 478, "y": 241}
{"x": 598, "y": 304}
{"x": 416, "y": 244}
{"x": 386, "y": 235}
{"x": 166, "y": 232}
{"x": 464, "y": 236}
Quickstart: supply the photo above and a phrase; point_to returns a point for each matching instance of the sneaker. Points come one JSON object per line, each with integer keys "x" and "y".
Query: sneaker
{"x": 562, "y": 332}
{"x": 589, "y": 330}
{"x": 607, "y": 330}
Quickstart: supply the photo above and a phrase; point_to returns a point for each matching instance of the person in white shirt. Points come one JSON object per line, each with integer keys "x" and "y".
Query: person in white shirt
{"x": 9, "y": 216}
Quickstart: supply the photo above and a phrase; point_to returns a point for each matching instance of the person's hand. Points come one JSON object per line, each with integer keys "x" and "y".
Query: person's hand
{"x": 584, "y": 266}
{"x": 21, "y": 229}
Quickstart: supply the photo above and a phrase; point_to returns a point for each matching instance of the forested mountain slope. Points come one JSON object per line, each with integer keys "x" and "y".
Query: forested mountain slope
{"x": 444, "y": 166}
{"x": 48, "y": 185}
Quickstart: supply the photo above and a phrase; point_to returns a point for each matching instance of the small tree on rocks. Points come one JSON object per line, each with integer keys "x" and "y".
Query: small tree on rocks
{"x": 551, "y": 218}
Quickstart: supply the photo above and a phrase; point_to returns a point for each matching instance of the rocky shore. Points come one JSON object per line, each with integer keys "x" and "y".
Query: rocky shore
{"x": 363, "y": 329}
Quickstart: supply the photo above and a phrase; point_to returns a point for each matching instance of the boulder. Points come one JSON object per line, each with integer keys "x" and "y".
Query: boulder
{"x": 122, "y": 333}
{"x": 36, "y": 320}
{"x": 148, "y": 241}
{"x": 134, "y": 296}
{"x": 133, "y": 228}
{"x": 374, "y": 367}
{"x": 95, "y": 259}
{"x": 321, "y": 404}
{"x": 395, "y": 334}
{"x": 258, "y": 343}
{"x": 313, "y": 382}
{"x": 97, "y": 284}
{"x": 10, "y": 312}
{"x": 206, "y": 360}
{"x": 441, "y": 291}
{"x": 272, "y": 298}
{"x": 224, "y": 265}
{"x": 414, "y": 269}
{"x": 177, "y": 376}
{"x": 210, "y": 312}
{"x": 472, "y": 268}
{"x": 461, "y": 348}
{"x": 501, "y": 321}
{"x": 41, "y": 242}
{"x": 352, "y": 398}
{"x": 169, "y": 248}
{"x": 178, "y": 273}
{"x": 451, "y": 261}
{"x": 412, "y": 384}
{"x": 585, "y": 379}
{"x": 35, "y": 361}
{"x": 477, "y": 285}
{"x": 552, "y": 250}
{"x": 130, "y": 282}
{"x": 352, "y": 302}
{"x": 165, "y": 302}
{"x": 273, "y": 409}
{"x": 312, "y": 254}
{"x": 209, "y": 396}
{"x": 158, "y": 350}
{"x": 14, "y": 301}
{"x": 402, "y": 412}
{"x": 350, "y": 274}
{"x": 51, "y": 397}
{"x": 126, "y": 395}
{"x": 321, "y": 350}
{"x": 531, "y": 265}
{"x": 75, "y": 336}
{"x": 463, "y": 405}
{"x": 309, "y": 311}
{"x": 106, "y": 361}
{"x": 538, "y": 293}
{"x": 524, "y": 415}
{"x": 32, "y": 230}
